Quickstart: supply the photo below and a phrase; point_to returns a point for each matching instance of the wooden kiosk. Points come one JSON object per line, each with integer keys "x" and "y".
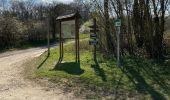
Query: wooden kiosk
{"x": 69, "y": 29}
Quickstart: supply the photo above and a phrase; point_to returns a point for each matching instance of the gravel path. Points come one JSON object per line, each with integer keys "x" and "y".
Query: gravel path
{"x": 13, "y": 86}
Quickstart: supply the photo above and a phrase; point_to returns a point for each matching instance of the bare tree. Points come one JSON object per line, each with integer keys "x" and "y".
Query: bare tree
{"x": 106, "y": 14}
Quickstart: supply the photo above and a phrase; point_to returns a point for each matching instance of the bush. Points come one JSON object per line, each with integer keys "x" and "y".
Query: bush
{"x": 85, "y": 27}
{"x": 10, "y": 31}
{"x": 14, "y": 33}
{"x": 36, "y": 31}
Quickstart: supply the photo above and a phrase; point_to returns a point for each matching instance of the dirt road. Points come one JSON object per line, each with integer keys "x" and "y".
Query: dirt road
{"x": 13, "y": 86}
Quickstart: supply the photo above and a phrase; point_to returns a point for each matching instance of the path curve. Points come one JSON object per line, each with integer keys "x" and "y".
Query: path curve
{"x": 13, "y": 86}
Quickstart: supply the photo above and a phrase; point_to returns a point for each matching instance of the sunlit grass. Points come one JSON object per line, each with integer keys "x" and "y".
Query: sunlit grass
{"x": 137, "y": 78}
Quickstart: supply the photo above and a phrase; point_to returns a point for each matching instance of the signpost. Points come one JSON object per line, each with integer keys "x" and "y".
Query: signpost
{"x": 118, "y": 25}
{"x": 93, "y": 36}
{"x": 94, "y": 42}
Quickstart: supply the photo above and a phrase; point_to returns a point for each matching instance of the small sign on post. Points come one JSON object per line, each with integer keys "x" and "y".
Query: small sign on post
{"x": 118, "y": 25}
{"x": 93, "y": 36}
{"x": 94, "y": 42}
{"x": 118, "y": 22}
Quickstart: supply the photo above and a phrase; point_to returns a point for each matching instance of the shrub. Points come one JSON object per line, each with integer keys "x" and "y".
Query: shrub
{"x": 36, "y": 31}
{"x": 10, "y": 31}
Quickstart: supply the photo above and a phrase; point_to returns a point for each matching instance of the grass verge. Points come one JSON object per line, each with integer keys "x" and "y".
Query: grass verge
{"x": 102, "y": 79}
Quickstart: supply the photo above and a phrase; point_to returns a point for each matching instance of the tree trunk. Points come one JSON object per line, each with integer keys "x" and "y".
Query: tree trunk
{"x": 107, "y": 26}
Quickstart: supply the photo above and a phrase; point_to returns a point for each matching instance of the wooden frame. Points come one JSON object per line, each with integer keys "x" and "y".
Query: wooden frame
{"x": 68, "y": 17}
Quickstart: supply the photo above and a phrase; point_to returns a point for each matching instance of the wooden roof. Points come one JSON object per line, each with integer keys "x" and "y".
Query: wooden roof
{"x": 67, "y": 17}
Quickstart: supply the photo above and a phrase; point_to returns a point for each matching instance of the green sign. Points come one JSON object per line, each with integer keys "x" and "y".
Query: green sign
{"x": 118, "y": 22}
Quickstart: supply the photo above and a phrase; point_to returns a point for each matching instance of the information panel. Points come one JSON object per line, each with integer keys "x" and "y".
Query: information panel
{"x": 68, "y": 29}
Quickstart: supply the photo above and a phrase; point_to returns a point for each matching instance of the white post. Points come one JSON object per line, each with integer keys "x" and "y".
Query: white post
{"x": 118, "y": 25}
{"x": 118, "y": 46}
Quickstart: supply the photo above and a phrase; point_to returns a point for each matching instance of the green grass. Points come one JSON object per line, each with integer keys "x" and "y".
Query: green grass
{"x": 84, "y": 36}
{"x": 137, "y": 78}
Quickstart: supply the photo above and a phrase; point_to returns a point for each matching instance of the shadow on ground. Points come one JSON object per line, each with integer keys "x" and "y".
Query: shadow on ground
{"x": 43, "y": 62}
{"x": 137, "y": 71}
{"x": 70, "y": 68}
{"x": 99, "y": 71}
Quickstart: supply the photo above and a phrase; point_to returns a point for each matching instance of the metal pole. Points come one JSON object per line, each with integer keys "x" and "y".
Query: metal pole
{"x": 118, "y": 46}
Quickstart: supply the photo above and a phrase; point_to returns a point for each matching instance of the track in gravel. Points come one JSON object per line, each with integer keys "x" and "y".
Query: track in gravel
{"x": 13, "y": 86}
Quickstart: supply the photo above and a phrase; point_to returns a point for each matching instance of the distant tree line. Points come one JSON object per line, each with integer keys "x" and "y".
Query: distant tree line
{"x": 27, "y": 21}
{"x": 142, "y": 31}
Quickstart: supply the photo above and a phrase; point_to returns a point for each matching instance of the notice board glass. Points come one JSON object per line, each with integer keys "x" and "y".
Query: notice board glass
{"x": 68, "y": 29}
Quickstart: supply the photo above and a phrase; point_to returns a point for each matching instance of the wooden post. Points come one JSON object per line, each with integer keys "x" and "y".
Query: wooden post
{"x": 95, "y": 29}
{"x": 48, "y": 36}
{"x": 94, "y": 42}
{"x": 77, "y": 40}
{"x": 60, "y": 43}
